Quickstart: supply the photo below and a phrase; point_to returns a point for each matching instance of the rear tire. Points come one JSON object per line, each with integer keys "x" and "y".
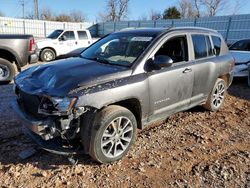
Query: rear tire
{"x": 47, "y": 55}
{"x": 112, "y": 133}
{"x": 216, "y": 98}
{"x": 7, "y": 71}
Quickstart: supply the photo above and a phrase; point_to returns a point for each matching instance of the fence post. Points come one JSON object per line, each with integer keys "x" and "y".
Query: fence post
{"x": 139, "y": 24}
{"x": 45, "y": 28}
{"x": 172, "y": 23}
{"x": 228, "y": 28}
{"x": 128, "y": 24}
{"x": 154, "y": 23}
{"x": 24, "y": 27}
{"x": 195, "y": 20}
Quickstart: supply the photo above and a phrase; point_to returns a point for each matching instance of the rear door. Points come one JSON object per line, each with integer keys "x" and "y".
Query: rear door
{"x": 84, "y": 40}
{"x": 203, "y": 66}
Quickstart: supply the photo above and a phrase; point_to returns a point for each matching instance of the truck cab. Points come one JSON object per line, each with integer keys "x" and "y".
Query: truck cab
{"x": 61, "y": 42}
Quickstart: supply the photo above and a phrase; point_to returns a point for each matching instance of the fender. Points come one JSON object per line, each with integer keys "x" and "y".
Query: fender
{"x": 17, "y": 58}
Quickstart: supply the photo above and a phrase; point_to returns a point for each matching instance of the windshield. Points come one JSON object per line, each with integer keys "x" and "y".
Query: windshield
{"x": 118, "y": 49}
{"x": 55, "y": 34}
{"x": 243, "y": 45}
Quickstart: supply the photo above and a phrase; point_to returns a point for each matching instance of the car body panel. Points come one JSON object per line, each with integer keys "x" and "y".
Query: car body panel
{"x": 159, "y": 92}
{"x": 18, "y": 45}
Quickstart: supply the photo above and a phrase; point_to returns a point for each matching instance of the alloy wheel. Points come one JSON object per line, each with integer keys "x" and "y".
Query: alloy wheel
{"x": 218, "y": 95}
{"x": 117, "y": 137}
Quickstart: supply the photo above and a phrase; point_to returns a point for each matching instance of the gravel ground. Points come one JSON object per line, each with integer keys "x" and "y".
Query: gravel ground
{"x": 195, "y": 148}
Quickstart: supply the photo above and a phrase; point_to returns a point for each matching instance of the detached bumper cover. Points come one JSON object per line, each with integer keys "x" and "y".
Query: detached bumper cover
{"x": 55, "y": 145}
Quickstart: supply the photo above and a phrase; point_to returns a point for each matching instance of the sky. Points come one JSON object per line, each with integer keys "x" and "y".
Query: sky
{"x": 91, "y": 8}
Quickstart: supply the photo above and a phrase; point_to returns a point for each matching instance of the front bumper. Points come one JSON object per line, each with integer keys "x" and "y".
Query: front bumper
{"x": 241, "y": 70}
{"x": 39, "y": 132}
{"x": 39, "y": 127}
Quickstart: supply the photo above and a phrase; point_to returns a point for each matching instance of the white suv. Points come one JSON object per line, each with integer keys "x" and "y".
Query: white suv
{"x": 61, "y": 42}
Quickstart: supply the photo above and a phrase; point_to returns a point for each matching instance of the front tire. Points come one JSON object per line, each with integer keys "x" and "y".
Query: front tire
{"x": 113, "y": 133}
{"x": 217, "y": 96}
{"x": 47, "y": 55}
{"x": 7, "y": 71}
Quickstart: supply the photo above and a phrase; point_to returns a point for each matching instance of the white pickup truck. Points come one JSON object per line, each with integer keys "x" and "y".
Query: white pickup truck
{"x": 61, "y": 42}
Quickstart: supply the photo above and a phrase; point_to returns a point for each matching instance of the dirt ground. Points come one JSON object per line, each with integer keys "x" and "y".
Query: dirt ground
{"x": 195, "y": 148}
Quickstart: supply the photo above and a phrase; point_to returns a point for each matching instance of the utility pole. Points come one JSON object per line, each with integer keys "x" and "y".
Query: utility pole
{"x": 36, "y": 12}
{"x": 22, "y": 4}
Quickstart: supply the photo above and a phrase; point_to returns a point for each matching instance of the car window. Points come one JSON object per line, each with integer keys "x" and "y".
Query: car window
{"x": 69, "y": 35}
{"x": 217, "y": 44}
{"x": 243, "y": 45}
{"x": 82, "y": 35}
{"x": 209, "y": 46}
{"x": 175, "y": 48}
{"x": 200, "y": 44}
{"x": 55, "y": 34}
{"x": 119, "y": 49}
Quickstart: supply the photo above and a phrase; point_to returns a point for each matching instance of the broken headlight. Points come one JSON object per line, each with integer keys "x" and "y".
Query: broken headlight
{"x": 63, "y": 104}
{"x": 54, "y": 105}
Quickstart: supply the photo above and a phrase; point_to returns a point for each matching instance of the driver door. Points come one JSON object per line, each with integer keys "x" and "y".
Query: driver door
{"x": 170, "y": 88}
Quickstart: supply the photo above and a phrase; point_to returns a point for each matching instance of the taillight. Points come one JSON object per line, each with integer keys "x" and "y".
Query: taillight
{"x": 32, "y": 46}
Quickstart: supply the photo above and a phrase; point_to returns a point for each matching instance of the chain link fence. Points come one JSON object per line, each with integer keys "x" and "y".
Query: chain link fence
{"x": 232, "y": 28}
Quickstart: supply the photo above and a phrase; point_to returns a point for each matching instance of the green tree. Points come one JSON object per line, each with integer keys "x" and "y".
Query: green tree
{"x": 171, "y": 13}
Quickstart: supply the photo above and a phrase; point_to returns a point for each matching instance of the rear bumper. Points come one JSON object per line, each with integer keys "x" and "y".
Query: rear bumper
{"x": 33, "y": 58}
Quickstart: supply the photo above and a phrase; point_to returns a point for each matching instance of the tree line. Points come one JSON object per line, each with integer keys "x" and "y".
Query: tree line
{"x": 118, "y": 10}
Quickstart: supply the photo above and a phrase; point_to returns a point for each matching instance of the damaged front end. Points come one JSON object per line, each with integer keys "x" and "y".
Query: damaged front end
{"x": 49, "y": 119}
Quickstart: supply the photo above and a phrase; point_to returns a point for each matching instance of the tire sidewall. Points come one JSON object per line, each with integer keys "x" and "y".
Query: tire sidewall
{"x": 95, "y": 147}
{"x": 11, "y": 68}
{"x": 43, "y": 53}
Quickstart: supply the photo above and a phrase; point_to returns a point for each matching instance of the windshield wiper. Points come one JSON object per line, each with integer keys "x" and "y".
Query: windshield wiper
{"x": 104, "y": 61}
{"x": 100, "y": 60}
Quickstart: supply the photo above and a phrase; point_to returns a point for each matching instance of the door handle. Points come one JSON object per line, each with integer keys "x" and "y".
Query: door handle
{"x": 187, "y": 70}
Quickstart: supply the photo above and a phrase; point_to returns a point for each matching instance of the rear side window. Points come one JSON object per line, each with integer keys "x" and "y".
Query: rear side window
{"x": 69, "y": 35}
{"x": 209, "y": 46}
{"x": 217, "y": 45}
{"x": 200, "y": 47}
{"x": 82, "y": 35}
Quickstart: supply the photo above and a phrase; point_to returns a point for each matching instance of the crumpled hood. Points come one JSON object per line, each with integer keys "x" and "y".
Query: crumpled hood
{"x": 60, "y": 77}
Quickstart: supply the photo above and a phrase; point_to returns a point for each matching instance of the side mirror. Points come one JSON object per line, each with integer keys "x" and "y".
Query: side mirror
{"x": 62, "y": 38}
{"x": 163, "y": 61}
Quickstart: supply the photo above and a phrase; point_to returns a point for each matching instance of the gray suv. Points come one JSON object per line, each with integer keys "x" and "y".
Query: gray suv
{"x": 125, "y": 81}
